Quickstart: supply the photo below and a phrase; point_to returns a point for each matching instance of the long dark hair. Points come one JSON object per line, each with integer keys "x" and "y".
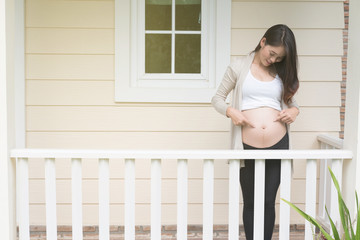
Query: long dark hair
{"x": 281, "y": 35}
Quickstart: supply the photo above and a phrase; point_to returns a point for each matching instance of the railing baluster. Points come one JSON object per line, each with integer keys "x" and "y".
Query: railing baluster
{"x": 23, "y": 199}
{"x": 208, "y": 199}
{"x": 156, "y": 199}
{"x": 322, "y": 185}
{"x": 336, "y": 168}
{"x": 259, "y": 199}
{"x": 310, "y": 195}
{"x": 327, "y": 186}
{"x": 50, "y": 184}
{"x": 182, "y": 190}
{"x": 182, "y": 199}
{"x": 104, "y": 213}
{"x": 234, "y": 191}
{"x": 129, "y": 199}
{"x": 285, "y": 193}
{"x": 76, "y": 176}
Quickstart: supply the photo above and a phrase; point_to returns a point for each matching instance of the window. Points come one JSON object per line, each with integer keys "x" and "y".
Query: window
{"x": 170, "y": 51}
{"x": 171, "y": 23}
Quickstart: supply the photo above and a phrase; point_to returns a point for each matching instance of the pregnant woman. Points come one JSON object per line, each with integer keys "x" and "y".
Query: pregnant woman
{"x": 262, "y": 109}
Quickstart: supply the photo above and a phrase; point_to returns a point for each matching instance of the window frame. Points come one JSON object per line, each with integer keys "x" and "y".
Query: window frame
{"x": 131, "y": 82}
{"x": 205, "y": 40}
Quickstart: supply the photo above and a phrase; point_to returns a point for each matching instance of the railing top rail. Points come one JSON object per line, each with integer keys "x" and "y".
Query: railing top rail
{"x": 182, "y": 154}
{"x": 331, "y": 140}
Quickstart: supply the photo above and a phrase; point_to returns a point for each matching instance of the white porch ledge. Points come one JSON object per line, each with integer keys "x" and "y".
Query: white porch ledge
{"x": 183, "y": 154}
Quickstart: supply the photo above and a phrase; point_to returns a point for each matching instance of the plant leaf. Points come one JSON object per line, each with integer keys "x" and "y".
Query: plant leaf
{"x": 342, "y": 207}
{"x": 348, "y": 220}
{"x": 309, "y": 219}
{"x": 358, "y": 218}
{"x": 333, "y": 227}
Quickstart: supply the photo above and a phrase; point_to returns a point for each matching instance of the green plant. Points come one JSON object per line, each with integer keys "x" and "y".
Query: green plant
{"x": 347, "y": 225}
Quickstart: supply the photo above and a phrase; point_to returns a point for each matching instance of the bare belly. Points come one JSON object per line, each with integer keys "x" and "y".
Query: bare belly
{"x": 266, "y": 132}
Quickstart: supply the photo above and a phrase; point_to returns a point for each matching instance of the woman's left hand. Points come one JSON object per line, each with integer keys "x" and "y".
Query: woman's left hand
{"x": 288, "y": 115}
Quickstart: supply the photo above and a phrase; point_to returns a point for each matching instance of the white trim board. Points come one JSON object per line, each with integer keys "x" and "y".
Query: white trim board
{"x": 7, "y": 168}
{"x": 19, "y": 75}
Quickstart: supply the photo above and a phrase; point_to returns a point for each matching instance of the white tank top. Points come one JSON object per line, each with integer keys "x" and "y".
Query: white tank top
{"x": 256, "y": 93}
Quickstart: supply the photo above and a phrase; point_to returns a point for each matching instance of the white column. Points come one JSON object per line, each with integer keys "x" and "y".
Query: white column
{"x": 336, "y": 168}
{"x": 234, "y": 191}
{"x": 310, "y": 195}
{"x": 156, "y": 199}
{"x": 208, "y": 199}
{"x": 285, "y": 193}
{"x": 23, "y": 198}
{"x": 7, "y": 167}
{"x": 50, "y": 191}
{"x": 182, "y": 199}
{"x": 104, "y": 200}
{"x": 323, "y": 171}
{"x": 77, "y": 223}
{"x": 351, "y": 173}
{"x": 130, "y": 199}
{"x": 259, "y": 199}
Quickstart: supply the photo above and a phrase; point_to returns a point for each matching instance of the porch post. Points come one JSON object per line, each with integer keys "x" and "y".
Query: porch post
{"x": 351, "y": 171}
{"x": 7, "y": 167}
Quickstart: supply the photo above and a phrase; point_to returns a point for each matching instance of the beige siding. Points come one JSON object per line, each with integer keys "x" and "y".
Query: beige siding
{"x": 319, "y": 94}
{"x": 99, "y": 93}
{"x": 70, "y": 102}
{"x": 126, "y": 119}
{"x": 151, "y": 140}
{"x": 130, "y": 119}
{"x": 70, "y": 14}
{"x": 69, "y": 67}
{"x": 129, "y": 140}
{"x": 291, "y": 13}
{"x": 320, "y": 68}
{"x": 64, "y": 40}
{"x": 310, "y": 42}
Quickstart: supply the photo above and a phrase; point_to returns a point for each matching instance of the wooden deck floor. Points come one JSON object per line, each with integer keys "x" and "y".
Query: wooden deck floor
{"x": 143, "y": 232}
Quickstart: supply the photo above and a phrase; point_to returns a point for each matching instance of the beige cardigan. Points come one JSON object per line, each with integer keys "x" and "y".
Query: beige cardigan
{"x": 233, "y": 80}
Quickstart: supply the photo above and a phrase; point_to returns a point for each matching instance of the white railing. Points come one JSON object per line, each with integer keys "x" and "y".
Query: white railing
{"x": 327, "y": 192}
{"x": 209, "y": 156}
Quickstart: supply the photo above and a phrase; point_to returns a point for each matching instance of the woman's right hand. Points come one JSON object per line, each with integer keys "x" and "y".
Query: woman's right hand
{"x": 237, "y": 117}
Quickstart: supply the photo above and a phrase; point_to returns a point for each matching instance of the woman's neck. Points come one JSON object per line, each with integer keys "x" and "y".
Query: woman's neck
{"x": 270, "y": 69}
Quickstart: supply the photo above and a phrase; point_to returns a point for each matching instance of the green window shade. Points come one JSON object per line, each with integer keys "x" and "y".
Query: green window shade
{"x": 187, "y": 53}
{"x": 187, "y": 16}
{"x": 185, "y": 33}
{"x": 158, "y": 15}
{"x": 158, "y": 53}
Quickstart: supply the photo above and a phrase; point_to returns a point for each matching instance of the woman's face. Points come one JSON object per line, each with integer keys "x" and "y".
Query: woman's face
{"x": 270, "y": 54}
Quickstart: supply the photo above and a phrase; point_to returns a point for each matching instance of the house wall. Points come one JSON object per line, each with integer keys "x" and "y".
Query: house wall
{"x": 70, "y": 103}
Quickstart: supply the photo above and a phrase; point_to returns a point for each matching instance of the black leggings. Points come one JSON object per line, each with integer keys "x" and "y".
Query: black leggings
{"x": 272, "y": 182}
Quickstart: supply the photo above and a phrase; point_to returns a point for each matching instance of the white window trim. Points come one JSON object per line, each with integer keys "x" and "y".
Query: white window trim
{"x": 185, "y": 88}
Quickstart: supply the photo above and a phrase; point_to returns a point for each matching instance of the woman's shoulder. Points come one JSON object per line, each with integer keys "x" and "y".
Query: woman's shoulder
{"x": 239, "y": 62}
